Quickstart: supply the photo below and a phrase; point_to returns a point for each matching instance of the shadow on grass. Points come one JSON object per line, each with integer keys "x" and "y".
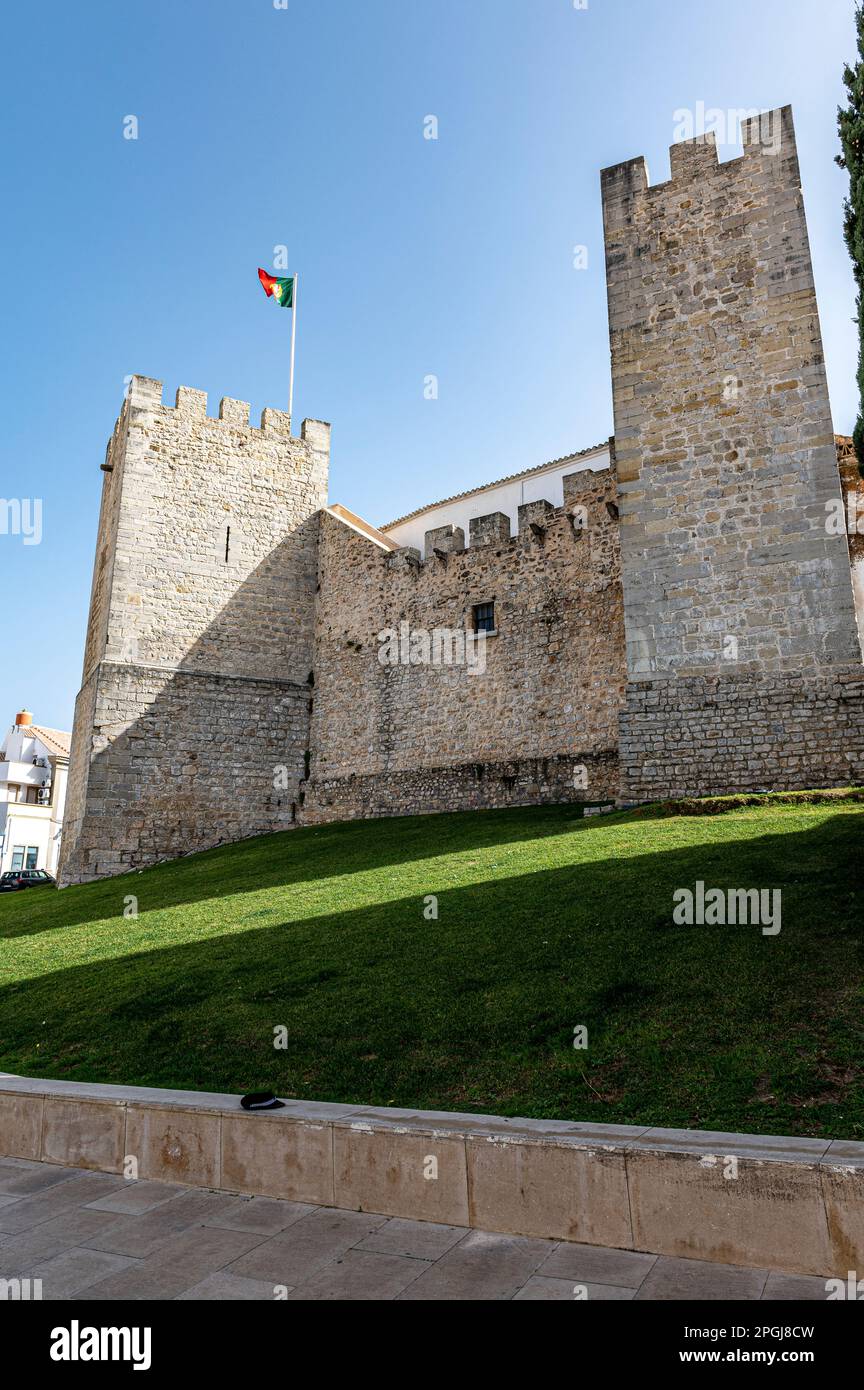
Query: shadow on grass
{"x": 717, "y": 1027}
{"x": 291, "y": 857}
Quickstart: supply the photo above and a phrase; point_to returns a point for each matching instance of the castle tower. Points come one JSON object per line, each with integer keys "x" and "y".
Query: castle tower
{"x": 743, "y": 654}
{"x": 191, "y": 726}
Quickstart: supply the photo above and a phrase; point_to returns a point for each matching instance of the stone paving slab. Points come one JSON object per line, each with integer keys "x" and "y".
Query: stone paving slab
{"x": 419, "y": 1240}
{"x": 140, "y": 1236}
{"x": 795, "y": 1287}
{"x": 360, "y": 1276}
{"x": 229, "y": 1288}
{"x": 296, "y": 1255}
{"x": 68, "y": 1273}
{"x": 481, "y": 1266}
{"x": 541, "y": 1289}
{"x": 145, "y": 1240}
{"x": 266, "y": 1215}
{"x": 37, "y": 1178}
{"x": 137, "y": 1197}
{"x": 701, "y": 1280}
{"x": 21, "y": 1252}
{"x": 591, "y": 1264}
{"x": 39, "y": 1207}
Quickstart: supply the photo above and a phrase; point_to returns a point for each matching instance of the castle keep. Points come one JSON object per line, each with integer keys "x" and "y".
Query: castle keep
{"x": 199, "y": 653}
{"x": 667, "y": 615}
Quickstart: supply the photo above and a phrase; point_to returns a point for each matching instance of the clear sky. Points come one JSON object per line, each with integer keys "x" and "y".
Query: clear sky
{"x": 303, "y": 126}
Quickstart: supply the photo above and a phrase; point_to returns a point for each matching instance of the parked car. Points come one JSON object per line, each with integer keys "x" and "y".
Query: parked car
{"x": 14, "y": 879}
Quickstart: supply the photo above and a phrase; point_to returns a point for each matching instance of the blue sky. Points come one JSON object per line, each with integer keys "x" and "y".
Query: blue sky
{"x": 260, "y": 126}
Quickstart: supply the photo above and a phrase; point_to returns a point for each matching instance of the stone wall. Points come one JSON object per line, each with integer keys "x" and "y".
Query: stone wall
{"x": 395, "y": 739}
{"x": 723, "y": 433}
{"x": 200, "y": 638}
{"x": 181, "y": 761}
{"x": 742, "y": 646}
{"x": 715, "y": 735}
{"x": 106, "y": 544}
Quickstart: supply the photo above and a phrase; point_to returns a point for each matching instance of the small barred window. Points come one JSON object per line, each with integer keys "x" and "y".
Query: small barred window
{"x": 484, "y": 617}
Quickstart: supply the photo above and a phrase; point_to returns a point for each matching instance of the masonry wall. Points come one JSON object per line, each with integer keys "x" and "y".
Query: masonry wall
{"x": 712, "y": 735}
{"x": 735, "y": 589}
{"x": 192, "y": 725}
{"x": 399, "y": 739}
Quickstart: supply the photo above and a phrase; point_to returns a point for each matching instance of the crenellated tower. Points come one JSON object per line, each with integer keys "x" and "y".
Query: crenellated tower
{"x": 192, "y": 723}
{"x": 742, "y": 645}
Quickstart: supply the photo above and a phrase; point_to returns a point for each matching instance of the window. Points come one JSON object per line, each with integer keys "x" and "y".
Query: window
{"x": 23, "y": 793}
{"x": 32, "y": 856}
{"x": 18, "y": 857}
{"x": 484, "y": 617}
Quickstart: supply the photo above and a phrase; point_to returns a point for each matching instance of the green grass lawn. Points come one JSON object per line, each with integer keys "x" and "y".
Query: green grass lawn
{"x": 545, "y": 922}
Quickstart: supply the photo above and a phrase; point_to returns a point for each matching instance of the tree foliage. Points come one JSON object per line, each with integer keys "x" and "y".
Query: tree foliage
{"x": 850, "y": 121}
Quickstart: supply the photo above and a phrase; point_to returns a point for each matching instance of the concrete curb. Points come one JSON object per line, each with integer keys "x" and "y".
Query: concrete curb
{"x": 760, "y": 1200}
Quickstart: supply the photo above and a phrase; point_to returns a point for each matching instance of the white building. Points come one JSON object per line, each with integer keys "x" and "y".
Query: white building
{"x": 507, "y": 495}
{"x": 34, "y": 766}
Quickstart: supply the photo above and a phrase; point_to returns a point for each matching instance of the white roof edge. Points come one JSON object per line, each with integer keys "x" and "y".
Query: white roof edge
{"x": 536, "y": 470}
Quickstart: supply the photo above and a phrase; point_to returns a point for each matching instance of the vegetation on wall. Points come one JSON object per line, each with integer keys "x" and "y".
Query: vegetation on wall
{"x": 850, "y": 122}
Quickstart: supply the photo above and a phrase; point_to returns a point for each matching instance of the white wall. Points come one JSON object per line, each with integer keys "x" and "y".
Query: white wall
{"x": 499, "y": 497}
{"x": 23, "y": 823}
{"x": 26, "y": 825}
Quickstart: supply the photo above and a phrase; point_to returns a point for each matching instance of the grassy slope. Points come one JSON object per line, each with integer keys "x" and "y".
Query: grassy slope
{"x": 545, "y": 922}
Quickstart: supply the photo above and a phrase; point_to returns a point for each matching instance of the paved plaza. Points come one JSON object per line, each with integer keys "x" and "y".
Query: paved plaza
{"x": 98, "y": 1236}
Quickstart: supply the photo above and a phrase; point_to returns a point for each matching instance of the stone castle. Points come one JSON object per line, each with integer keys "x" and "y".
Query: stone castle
{"x": 680, "y": 618}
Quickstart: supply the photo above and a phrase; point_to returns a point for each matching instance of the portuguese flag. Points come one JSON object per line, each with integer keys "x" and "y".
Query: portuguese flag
{"x": 280, "y": 290}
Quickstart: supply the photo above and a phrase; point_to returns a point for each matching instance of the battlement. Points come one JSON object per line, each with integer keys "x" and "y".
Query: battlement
{"x": 494, "y": 528}
{"x": 145, "y": 393}
{"x": 768, "y": 140}
{"x": 589, "y": 506}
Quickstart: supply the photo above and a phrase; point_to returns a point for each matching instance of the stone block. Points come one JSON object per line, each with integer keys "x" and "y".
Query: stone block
{"x": 84, "y": 1134}
{"x": 842, "y": 1170}
{"x": 730, "y": 1198}
{"x": 175, "y": 1145}
{"x": 235, "y": 412}
{"x": 386, "y": 1167}
{"x": 534, "y": 512}
{"x": 20, "y": 1126}
{"x": 449, "y": 539}
{"x": 493, "y": 529}
{"x": 272, "y": 1155}
{"x": 577, "y": 484}
{"x": 561, "y": 1187}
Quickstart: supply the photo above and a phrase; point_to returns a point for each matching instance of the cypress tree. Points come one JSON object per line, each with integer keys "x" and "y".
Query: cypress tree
{"x": 850, "y": 122}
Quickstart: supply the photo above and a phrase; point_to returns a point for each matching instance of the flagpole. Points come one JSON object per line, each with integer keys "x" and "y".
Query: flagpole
{"x": 293, "y": 342}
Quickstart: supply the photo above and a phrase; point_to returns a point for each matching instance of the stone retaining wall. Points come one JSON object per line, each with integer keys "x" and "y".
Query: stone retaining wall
{"x": 759, "y": 1200}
